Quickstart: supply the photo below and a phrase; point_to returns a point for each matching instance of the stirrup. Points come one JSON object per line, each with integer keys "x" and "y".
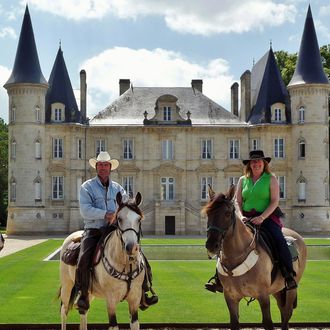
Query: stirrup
{"x": 213, "y": 285}
{"x": 81, "y": 303}
{"x": 148, "y": 301}
{"x": 290, "y": 283}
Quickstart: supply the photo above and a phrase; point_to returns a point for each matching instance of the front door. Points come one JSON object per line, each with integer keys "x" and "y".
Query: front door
{"x": 169, "y": 225}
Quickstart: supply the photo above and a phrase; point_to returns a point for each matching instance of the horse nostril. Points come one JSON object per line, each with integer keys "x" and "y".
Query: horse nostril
{"x": 129, "y": 247}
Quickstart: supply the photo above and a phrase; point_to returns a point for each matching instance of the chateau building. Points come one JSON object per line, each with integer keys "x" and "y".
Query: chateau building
{"x": 171, "y": 142}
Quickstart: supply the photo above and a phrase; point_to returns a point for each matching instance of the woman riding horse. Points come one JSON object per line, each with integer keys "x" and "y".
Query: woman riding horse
{"x": 257, "y": 199}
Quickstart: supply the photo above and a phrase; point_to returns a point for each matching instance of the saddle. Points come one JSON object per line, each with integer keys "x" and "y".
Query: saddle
{"x": 71, "y": 253}
{"x": 267, "y": 242}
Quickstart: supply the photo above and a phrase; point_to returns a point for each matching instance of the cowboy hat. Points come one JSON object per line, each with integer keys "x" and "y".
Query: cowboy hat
{"x": 104, "y": 156}
{"x": 256, "y": 154}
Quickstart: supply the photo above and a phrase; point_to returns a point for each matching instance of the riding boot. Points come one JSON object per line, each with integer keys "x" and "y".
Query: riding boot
{"x": 214, "y": 284}
{"x": 147, "y": 301}
{"x": 290, "y": 282}
{"x": 82, "y": 283}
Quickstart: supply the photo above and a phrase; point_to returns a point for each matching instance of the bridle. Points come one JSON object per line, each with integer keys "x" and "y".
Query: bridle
{"x": 129, "y": 276}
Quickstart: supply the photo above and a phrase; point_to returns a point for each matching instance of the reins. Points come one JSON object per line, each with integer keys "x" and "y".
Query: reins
{"x": 129, "y": 276}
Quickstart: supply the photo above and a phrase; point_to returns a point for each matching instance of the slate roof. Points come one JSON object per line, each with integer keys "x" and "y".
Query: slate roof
{"x": 26, "y": 67}
{"x": 267, "y": 88}
{"x": 129, "y": 108}
{"x": 60, "y": 90}
{"x": 309, "y": 69}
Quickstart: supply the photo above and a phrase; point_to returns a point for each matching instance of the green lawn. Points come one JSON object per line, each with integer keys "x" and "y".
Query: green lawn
{"x": 28, "y": 288}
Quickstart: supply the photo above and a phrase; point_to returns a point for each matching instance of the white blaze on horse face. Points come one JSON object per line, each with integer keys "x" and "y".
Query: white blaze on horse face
{"x": 129, "y": 223}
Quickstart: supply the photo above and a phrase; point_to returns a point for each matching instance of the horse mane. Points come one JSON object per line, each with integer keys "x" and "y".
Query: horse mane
{"x": 132, "y": 206}
{"x": 214, "y": 203}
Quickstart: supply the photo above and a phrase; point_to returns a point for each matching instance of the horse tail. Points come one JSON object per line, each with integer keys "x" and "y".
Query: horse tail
{"x": 72, "y": 296}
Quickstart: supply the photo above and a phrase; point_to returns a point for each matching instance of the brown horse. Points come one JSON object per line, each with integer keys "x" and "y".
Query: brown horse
{"x": 244, "y": 267}
{"x": 119, "y": 275}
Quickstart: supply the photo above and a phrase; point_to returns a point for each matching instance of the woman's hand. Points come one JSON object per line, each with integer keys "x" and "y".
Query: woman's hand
{"x": 257, "y": 220}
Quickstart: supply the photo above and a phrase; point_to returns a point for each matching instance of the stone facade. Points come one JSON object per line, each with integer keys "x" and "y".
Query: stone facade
{"x": 171, "y": 143}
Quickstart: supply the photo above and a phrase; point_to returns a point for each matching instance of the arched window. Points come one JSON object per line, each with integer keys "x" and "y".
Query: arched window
{"x": 37, "y": 114}
{"x": 13, "y": 114}
{"x": 12, "y": 190}
{"x": 301, "y": 190}
{"x": 13, "y": 149}
{"x": 301, "y": 149}
{"x": 37, "y": 190}
{"x": 37, "y": 149}
{"x": 301, "y": 115}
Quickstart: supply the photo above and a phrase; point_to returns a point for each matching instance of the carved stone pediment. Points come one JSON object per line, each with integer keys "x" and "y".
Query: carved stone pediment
{"x": 207, "y": 167}
{"x": 128, "y": 168}
{"x": 167, "y": 169}
{"x": 233, "y": 168}
{"x": 56, "y": 167}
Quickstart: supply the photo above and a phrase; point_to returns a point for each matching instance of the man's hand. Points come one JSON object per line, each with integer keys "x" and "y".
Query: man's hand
{"x": 110, "y": 217}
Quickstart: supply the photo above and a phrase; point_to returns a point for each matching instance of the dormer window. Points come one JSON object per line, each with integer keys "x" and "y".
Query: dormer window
{"x": 167, "y": 113}
{"x": 58, "y": 113}
{"x": 278, "y": 115}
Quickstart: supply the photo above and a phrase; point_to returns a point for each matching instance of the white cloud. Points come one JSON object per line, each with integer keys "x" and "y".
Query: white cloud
{"x": 4, "y": 75}
{"x": 198, "y": 17}
{"x": 158, "y": 67}
{"x": 7, "y": 32}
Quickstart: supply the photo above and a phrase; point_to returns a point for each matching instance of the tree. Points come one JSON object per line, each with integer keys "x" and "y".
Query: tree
{"x": 286, "y": 63}
{"x": 3, "y": 172}
{"x": 325, "y": 55}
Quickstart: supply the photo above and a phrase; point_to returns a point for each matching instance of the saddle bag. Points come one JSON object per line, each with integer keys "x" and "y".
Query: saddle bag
{"x": 71, "y": 253}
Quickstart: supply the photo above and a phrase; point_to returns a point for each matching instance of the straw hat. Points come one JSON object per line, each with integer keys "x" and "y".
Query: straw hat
{"x": 104, "y": 156}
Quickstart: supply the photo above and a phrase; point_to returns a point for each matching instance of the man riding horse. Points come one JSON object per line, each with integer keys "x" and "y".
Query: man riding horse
{"x": 97, "y": 207}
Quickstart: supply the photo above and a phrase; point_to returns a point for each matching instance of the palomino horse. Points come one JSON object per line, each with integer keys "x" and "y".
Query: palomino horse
{"x": 244, "y": 267}
{"x": 120, "y": 273}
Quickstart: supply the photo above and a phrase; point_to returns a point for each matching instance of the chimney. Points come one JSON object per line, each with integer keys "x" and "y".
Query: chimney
{"x": 124, "y": 85}
{"x": 245, "y": 95}
{"x": 83, "y": 95}
{"x": 197, "y": 84}
{"x": 234, "y": 99}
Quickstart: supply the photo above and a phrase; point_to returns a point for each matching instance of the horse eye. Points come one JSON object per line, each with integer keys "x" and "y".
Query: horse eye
{"x": 227, "y": 214}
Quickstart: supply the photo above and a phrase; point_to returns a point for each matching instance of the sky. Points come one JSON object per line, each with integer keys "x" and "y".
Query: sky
{"x": 155, "y": 43}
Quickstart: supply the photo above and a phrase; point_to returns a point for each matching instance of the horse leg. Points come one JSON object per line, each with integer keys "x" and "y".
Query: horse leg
{"x": 286, "y": 307}
{"x": 264, "y": 303}
{"x": 65, "y": 295}
{"x": 83, "y": 321}
{"x": 233, "y": 306}
{"x": 133, "y": 311}
{"x": 112, "y": 315}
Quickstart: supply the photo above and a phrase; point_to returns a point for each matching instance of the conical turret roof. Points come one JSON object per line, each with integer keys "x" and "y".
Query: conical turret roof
{"x": 309, "y": 69}
{"x": 26, "y": 67}
{"x": 268, "y": 88}
{"x": 60, "y": 90}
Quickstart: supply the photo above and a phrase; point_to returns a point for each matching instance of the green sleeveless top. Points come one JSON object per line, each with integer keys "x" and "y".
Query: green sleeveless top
{"x": 256, "y": 196}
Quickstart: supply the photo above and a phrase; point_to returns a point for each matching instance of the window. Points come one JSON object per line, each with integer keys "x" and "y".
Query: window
{"x": 37, "y": 114}
{"x": 167, "y": 189}
{"x": 301, "y": 190}
{"x": 99, "y": 146}
{"x": 13, "y": 149}
{"x": 301, "y": 115}
{"x": 13, "y": 114}
{"x": 37, "y": 149}
{"x": 232, "y": 180}
{"x": 207, "y": 151}
{"x": 167, "y": 113}
{"x": 128, "y": 148}
{"x": 13, "y": 191}
{"x": 57, "y": 187}
{"x": 167, "y": 149}
{"x": 57, "y": 148}
{"x": 255, "y": 144}
{"x": 58, "y": 114}
{"x": 277, "y": 115}
{"x": 79, "y": 148}
{"x": 279, "y": 148}
{"x": 281, "y": 182}
{"x": 128, "y": 185}
{"x": 234, "y": 149}
{"x": 302, "y": 149}
{"x": 37, "y": 190}
{"x": 205, "y": 183}
{"x": 79, "y": 183}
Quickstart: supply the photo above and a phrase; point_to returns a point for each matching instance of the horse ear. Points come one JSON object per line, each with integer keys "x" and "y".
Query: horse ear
{"x": 231, "y": 192}
{"x": 211, "y": 192}
{"x": 138, "y": 198}
{"x": 119, "y": 198}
